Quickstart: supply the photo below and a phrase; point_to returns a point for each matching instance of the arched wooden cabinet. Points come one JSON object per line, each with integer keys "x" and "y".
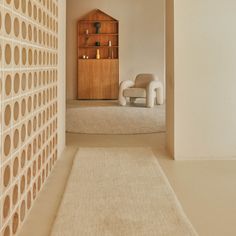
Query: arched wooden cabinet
{"x": 98, "y": 56}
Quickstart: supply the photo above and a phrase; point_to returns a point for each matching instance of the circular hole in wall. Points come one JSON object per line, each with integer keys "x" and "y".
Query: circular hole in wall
{"x": 23, "y": 133}
{"x": 16, "y": 27}
{"x": 6, "y": 207}
{"x": 29, "y": 8}
{"x": 29, "y": 200}
{"x": 17, "y": 4}
{"x": 7, "y": 145}
{"x": 22, "y": 211}
{"x": 30, "y": 32}
{"x": 30, "y": 56}
{"x": 23, "y": 5}
{"x": 22, "y": 159}
{"x": 16, "y": 83}
{"x": 29, "y": 104}
{"x": 23, "y": 30}
{"x": 23, "y": 82}
{"x": 7, "y": 231}
{"x": 15, "y": 222}
{"x": 8, "y": 23}
{"x": 8, "y": 54}
{"x": 28, "y": 176}
{"x": 24, "y": 56}
{"x": 16, "y": 138}
{"x": 8, "y": 85}
{"x": 34, "y": 191}
{"x": 15, "y": 195}
{"x": 22, "y": 184}
{"x": 16, "y": 110}
{"x": 15, "y": 167}
{"x": 29, "y": 152}
{"x": 23, "y": 107}
{"x": 7, "y": 115}
{"x": 16, "y": 55}
{"x": 6, "y": 176}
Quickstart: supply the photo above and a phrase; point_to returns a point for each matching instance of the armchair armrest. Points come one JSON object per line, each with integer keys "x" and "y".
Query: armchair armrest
{"x": 124, "y": 85}
{"x": 153, "y": 87}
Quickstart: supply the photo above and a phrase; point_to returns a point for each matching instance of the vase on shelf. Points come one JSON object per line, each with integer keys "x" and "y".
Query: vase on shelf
{"x": 98, "y": 54}
{"x": 97, "y": 25}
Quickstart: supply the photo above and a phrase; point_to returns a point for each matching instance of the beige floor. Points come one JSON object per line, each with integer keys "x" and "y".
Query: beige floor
{"x": 206, "y": 189}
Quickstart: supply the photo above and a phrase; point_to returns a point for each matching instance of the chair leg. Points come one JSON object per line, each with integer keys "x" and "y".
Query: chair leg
{"x": 132, "y": 100}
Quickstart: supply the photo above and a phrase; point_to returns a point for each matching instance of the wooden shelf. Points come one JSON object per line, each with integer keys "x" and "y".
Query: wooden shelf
{"x": 98, "y": 78}
{"x": 97, "y": 47}
{"x": 102, "y": 34}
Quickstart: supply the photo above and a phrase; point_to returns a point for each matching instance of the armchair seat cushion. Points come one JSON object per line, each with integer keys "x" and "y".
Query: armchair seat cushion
{"x": 135, "y": 92}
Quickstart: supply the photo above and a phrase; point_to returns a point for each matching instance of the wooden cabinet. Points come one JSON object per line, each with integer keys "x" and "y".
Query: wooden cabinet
{"x": 98, "y": 56}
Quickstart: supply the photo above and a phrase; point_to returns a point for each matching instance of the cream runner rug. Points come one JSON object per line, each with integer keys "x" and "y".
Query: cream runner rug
{"x": 115, "y": 120}
{"x": 119, "y": 192}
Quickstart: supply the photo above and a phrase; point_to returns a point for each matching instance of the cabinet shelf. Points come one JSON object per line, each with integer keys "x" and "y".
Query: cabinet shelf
{"x": 97, "y": 47}
{"x": 102, "y": 34}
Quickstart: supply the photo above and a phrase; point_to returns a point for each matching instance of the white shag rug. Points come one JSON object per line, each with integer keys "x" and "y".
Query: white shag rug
{"x": 115, "y": 120}
{"x": 119, "y": 192}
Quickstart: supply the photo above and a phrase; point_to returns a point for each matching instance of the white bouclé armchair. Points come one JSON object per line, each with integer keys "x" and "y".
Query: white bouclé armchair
{"x": 145, "y": 86}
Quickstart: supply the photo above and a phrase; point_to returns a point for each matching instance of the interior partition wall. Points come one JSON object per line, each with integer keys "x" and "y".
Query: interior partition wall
{"x": 28, "y": 105}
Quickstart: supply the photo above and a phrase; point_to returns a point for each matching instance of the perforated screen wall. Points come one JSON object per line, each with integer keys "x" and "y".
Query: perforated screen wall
{"x": 28, "y": 95}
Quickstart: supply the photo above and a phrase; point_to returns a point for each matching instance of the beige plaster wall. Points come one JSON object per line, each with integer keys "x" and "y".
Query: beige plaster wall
{"x": 205, "y": 79}
{"x": 141, "y": 36}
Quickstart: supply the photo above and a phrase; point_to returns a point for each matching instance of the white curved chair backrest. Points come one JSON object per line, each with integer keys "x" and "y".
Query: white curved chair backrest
{"x": 142, "y": 80}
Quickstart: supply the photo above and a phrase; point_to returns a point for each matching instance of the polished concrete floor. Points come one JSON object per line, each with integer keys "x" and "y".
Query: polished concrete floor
{"x": 206, "y": 189}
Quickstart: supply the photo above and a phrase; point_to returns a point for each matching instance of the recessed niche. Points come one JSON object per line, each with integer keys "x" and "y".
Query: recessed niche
{"x": 22, "y": 211}
{"x": 24, "y": 56}
{"x": 28, "y": 176}
{"x": 29, "y": 200}
{"x": 30, "y": 56}
{"x": 17, "y": 4}
{"x": 16, "y": 55}
{"x": 16, "y": 111}
{"x": 7, "y": 231}
{"x": 15, "y": 195}
{"x": 16, "y": 138}
{"x": 29, "y": 32}
{"x": 16, "y": 83}
{"x": 15, "y": 167}
{"x": 8, "y": 54}
{"x": 29, "y": 8}
{"x": 7, "y": 145}
{"x": 6, "y": 207}
{"x": 8, "y": 85}
{"x": 15, "y": 222}
{"x": 23, "y": 82}
{"x": 23, "y": 107}
{"x": 16, "y": 27}
{"x": 8, "y": 23}
{"x": 22, "y": 184}
{"x": 23, "y": 133}
{"x": 23, "y": 30}
{"x": 23, "y": 5}
{"x": 29, "y": 152}
{"x": 23, "y": 159}
{"x": 6, "y": 175}
{"x": 7, "y": 115}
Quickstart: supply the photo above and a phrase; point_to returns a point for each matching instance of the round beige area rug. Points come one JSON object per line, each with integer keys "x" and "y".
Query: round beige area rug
{"x": 115, "y": 120}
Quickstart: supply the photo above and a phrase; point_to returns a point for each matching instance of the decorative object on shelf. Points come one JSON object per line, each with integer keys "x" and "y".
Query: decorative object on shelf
{"x": 110, "y": 51}
{"x": 98, "y": 54}
{"x": 97, "y": 25}
{"x": 98, "y": 76}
